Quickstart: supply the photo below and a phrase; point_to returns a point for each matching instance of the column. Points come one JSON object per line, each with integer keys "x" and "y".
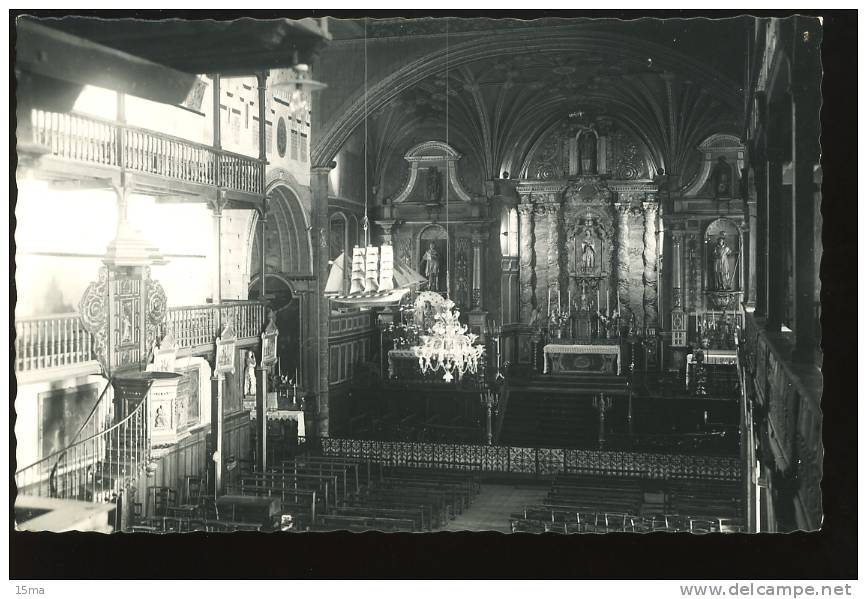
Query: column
{"x": 622, "y": 292}
{"x": 751, "y": 225}
{"x": 215, "y": 453}
{"x": 650, "y": 290}
{"x": 319, "y": 192}
{"x": 478, "y": 244}
{"x": 527, "y": 275}
{"x": 216, "y": 203}
{"x": 805, "y": 155}
{"x": 552, "y": 210}
{"x": 386, "y": 236}
{"x": 261, "y": 79}
{"x": 678, "y": 318}
{"x": 261, "y": 417}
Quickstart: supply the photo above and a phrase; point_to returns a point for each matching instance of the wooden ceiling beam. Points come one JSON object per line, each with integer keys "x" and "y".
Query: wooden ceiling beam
{"x": 57, "y": 55}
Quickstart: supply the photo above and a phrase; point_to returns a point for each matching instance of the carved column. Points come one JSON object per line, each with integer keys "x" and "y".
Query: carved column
{"x": 650, "y": 292}
{"x": 623, "y": 257}
{"x": 553, "y": 212}
{"x": 678, "y": 319}
{"x": 527, "y": 275}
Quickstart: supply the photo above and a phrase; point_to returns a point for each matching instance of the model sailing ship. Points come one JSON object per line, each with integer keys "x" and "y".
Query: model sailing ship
{"x": 375, "y": 279}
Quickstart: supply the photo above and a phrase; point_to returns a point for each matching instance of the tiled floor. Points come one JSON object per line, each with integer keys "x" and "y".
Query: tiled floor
{"x": 494, "y": 504}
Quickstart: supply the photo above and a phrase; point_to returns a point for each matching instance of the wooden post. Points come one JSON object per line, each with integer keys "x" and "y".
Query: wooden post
{"x": 261, "y": 417}
{"x": 261, "y": 79}
{"x": 215, "y": 451}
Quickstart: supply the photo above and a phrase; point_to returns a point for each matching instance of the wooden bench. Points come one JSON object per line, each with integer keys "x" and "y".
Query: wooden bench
{"x": 301, "y": 503}
{"x": 364, "y": 523}
{"x": 416, "y": 515}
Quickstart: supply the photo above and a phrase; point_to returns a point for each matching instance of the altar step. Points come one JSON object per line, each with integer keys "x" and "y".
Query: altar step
{"x": 559, "y": 413}
{"x": 571, "y": 383}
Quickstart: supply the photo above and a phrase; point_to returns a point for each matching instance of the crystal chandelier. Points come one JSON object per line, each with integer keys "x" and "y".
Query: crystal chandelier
{"x": 449, "y": 347}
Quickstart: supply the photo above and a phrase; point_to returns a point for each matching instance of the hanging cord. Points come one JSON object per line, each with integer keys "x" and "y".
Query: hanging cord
{"x": 365, "y": 223}
{"x": 448, "y": 224}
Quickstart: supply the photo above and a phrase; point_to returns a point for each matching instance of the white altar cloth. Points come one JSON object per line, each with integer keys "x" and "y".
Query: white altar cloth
{"x": 724, "y": 357}
{"x": 605, "y": 349}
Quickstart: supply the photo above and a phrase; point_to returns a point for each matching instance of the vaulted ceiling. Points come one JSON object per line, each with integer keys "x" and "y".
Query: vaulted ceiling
{"x": 502, "y": 85}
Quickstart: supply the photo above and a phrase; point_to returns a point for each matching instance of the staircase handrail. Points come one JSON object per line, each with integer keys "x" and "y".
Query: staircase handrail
{"x": 140, "y": 407}
{"x": 58, "y": 455}
{"x": 62, "y": 452}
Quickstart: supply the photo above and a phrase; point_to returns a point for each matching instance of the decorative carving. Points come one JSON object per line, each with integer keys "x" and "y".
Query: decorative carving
{"x": 155, "y": 308}
{"x": 623, "y": 257}
{"x": 93, "y": 308}
{"x": 461, "y": 283}
{"x": 553, "y": 212}
{"x": 526, "y": 260}
{"x": 650, "y": 291}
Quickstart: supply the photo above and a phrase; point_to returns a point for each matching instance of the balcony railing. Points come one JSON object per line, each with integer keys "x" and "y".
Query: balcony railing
{"x": 61, "y": 340}
{"x": 51, "y": 342}
{"x": 98, "y": 141}
{"x": 194, "y": 326}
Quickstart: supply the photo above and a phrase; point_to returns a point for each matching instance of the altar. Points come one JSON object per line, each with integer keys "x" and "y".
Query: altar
{"x": 598, "y": 358}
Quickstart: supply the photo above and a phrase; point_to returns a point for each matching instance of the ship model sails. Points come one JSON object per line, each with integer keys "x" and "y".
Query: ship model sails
{"x": 375, "y": 279}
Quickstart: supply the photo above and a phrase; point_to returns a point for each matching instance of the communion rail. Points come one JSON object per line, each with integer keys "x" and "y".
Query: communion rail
{"x": 89, "y": 470}
{"x": 109, "y": 143}
{"x": 61, "y": 340}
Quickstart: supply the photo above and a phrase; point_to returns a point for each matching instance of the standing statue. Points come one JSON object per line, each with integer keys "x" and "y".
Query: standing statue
{"x": 588, "y": 252}
{"x": 250, "y": 374}
{"x": 721, "y": 269}
{"x": 434, "y": 187}
{"x": 431, "y": 260}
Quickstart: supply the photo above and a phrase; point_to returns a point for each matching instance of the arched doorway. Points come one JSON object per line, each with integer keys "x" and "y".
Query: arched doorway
{"x": 287, "y": 306}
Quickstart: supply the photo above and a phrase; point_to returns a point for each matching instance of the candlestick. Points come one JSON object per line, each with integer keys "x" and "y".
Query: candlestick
{"x": 559, "y": 302}
{"x": 608, "y": 303}
{"x": 549, "y": 300}
{"x": 597, "y": 298}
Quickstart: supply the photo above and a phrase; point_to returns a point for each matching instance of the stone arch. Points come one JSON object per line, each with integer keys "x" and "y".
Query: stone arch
{"x": 288, "y": 225}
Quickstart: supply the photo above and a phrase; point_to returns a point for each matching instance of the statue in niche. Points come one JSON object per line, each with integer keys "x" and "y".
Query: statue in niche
{"x": 250, "y": 374}
{"x": 722, "y": 272}
{"x": 431, "y": 260}
{"x": 434, "y": 186}
{"x": 588, "y": 252}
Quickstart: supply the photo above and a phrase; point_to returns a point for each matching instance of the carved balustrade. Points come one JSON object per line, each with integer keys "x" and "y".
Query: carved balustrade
{"x": 99, "y": 141}
{"x": 51, "y": 341}
{"x": 61, "y": 340}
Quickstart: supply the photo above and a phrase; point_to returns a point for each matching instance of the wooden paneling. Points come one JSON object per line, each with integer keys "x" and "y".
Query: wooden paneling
{"x": 189, "y": 456}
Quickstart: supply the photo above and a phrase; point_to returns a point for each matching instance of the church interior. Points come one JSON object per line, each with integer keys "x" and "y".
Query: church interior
{"x": 555, "y": 276}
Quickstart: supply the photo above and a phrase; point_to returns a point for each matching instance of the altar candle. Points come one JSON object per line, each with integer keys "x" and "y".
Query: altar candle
{"x": 608, "y": 303}
{"x": 570, "y": 301}
{"x": 597, "y": 299}
{"x": 549, "y": 300}
{"x": 559, "y": 301}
